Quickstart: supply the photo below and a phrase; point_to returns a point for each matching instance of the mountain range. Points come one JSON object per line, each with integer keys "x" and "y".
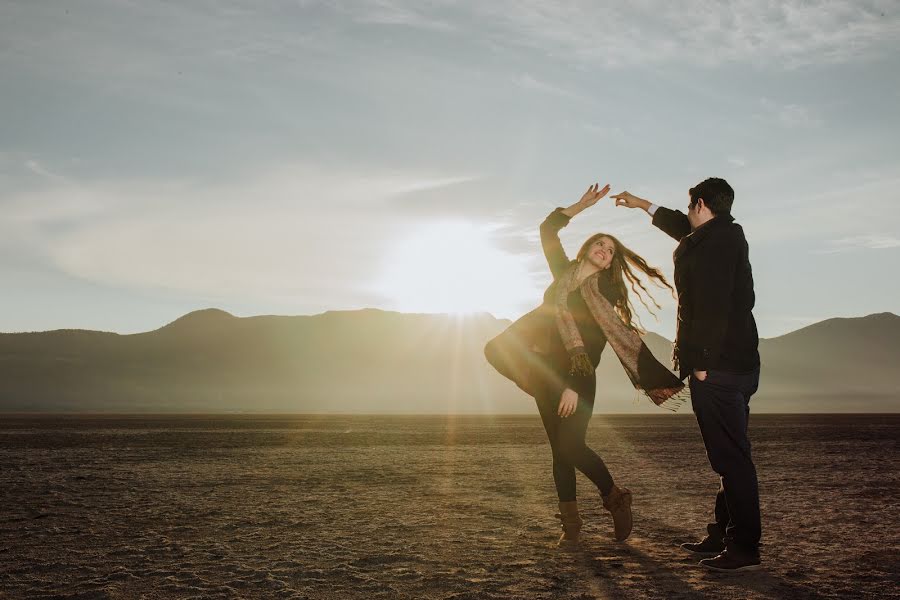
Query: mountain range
{"x": 372, "y": 361}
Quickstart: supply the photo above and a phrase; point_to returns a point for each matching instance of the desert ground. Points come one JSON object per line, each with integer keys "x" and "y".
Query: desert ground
{"x": 322, "y": 507}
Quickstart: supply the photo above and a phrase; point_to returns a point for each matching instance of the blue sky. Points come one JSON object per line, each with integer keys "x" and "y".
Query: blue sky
{"x": 275, "y": 157}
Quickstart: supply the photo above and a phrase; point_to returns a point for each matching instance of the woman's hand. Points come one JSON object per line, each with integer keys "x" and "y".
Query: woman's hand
{"x": 590, "y": 198}
{"x": 629, "y": 200}
{"x": 593, "y": 194}
{"x": 568, "y": 402}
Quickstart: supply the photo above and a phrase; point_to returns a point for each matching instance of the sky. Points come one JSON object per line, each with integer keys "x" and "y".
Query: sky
{"x": 297, "y": 157}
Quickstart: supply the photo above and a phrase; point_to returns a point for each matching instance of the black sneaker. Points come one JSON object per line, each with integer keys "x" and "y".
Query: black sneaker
{"x": 733, "y": 560}
{"x": 712, "y": 545}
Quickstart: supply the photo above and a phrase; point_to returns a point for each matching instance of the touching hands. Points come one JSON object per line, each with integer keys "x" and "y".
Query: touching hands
{"x": 629, "y": 200}
{"x": 568, "y": 402}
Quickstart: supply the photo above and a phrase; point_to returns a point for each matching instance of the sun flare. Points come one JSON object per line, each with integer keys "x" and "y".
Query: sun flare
{"x": 454, "y": 267}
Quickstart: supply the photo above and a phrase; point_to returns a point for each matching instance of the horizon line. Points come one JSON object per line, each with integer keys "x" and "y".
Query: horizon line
{"x": 387, "y": 414}
{"x": 457, "y": 315}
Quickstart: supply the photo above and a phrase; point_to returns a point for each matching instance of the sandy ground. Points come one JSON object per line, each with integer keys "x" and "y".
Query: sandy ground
{"x": 416, "y": 507}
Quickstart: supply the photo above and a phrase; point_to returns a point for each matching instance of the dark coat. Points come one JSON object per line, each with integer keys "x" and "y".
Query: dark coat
{"x": 531, "y": 351}
{"x": 714, "y": 280}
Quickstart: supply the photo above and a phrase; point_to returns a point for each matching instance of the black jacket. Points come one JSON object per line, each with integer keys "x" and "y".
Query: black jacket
{"x": 714, "y": 280}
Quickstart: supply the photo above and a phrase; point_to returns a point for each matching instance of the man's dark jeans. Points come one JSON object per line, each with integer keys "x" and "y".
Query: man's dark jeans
{"x": 722, "y": 405}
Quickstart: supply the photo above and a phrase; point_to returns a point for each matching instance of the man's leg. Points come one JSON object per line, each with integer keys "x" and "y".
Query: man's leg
{"x": 714, "y": 542}
{"x": 721, "y": 404}
{"x": 716, "y": 529}
{"x": 721, "y": 511}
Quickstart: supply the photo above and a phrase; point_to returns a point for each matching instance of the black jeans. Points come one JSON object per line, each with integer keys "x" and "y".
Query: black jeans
{"x": 722, "y": 405}
{"x": 567, "y": 441}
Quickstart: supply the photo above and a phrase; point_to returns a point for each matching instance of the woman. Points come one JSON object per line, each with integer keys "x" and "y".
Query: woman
{"x": 553, "y": 351}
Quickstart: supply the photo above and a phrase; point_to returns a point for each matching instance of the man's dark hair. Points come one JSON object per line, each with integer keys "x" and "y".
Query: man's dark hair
{"x": 716, "y": 194}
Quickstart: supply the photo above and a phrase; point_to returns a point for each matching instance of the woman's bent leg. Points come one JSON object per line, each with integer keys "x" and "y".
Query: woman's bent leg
{"x": 571, "y": 441}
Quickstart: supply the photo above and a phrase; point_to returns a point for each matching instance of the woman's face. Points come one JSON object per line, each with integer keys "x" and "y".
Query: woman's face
{"x": 601, "y": 252}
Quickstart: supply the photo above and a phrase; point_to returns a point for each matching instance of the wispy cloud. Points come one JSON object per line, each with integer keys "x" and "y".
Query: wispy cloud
{"x": 789, "y": 115}
{"x": 529, "y": 82}
{"x": 837, "y": 203}
{"x": 863, "y": 242}
{"x": 302, "y": 233}
{"x": 789, "y": 34}
{"x": 792, "y": 33}
{"x": 391, "y": 12}
{"x": 404, "y": 184}
{"x": 38, "y": 169}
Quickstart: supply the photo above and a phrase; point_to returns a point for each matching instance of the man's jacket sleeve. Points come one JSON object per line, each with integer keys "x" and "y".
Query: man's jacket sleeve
{"x": 672, "y": 222}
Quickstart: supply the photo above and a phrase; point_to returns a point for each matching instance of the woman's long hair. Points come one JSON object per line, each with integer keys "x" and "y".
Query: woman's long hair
{"x": 624, "y": 263}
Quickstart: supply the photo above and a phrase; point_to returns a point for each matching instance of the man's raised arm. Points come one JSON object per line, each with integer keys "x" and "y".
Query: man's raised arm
{"x": 672, "y": 222}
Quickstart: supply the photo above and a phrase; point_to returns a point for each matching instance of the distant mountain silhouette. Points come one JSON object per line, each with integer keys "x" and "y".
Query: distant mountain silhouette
{"x": 376, "y": 361}
{"x": 837, "y": 364}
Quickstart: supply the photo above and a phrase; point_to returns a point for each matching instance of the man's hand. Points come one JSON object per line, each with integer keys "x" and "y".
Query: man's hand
{"x": 629, "y": 200}
{"x": 568, "y": 402}
{"x": 700, "y": 375}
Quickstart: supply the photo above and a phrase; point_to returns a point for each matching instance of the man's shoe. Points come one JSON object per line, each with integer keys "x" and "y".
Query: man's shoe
{"x": 733, "y": 560}
{"x": 712, "y": 545}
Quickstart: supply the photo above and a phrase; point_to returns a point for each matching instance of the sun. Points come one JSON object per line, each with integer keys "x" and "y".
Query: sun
{"x": 455, "y": 267}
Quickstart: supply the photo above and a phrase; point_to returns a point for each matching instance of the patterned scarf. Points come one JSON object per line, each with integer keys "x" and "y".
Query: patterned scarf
{"x": 646, "y": 373}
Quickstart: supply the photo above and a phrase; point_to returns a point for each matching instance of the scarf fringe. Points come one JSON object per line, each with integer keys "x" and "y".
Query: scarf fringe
{"x": 672, "y": 403}
{"x": 581, "y": 365}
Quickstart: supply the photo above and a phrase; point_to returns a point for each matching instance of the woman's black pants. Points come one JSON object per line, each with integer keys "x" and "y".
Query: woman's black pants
{"x": 567, "y": 441}
{"x": 538, "y": 376}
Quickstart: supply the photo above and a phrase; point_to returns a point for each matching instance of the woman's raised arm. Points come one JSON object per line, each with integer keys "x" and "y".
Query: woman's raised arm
{"x": 559, "y": 218}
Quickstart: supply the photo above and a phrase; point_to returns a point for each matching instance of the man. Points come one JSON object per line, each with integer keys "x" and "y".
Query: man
{"x": 717, "y": 345}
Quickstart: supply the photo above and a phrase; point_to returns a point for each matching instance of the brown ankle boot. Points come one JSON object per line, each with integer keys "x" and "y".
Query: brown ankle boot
{"x": 618, "y": 502}
{"x": 571, "y": 524}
